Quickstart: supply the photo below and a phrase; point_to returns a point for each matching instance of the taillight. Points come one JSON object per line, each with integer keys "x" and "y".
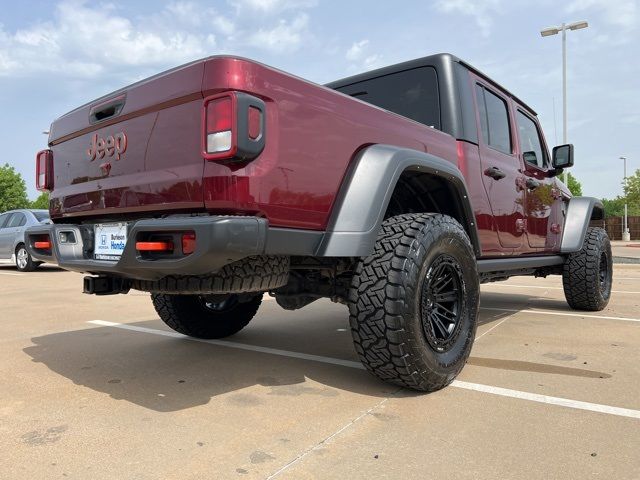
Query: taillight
{"x": 233, "y": 127}
{"x": 44, "y": 170}
{"x": 220, "y": 113}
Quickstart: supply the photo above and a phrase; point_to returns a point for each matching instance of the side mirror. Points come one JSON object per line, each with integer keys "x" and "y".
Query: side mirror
{"x": 563, "y": 156}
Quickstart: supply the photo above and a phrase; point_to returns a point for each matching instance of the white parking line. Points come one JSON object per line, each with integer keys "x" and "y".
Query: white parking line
{"x": 536, "y": 397}
{"x": 240, "y": 346}
{"x": 503, "y": 392}
{"x": 547, "y": 288}
{"x": 14, "y": 274}
{"x": 561, "y": 314}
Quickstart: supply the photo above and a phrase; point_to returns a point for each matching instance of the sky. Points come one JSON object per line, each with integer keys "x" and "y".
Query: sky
{"x": 57, "y": 55}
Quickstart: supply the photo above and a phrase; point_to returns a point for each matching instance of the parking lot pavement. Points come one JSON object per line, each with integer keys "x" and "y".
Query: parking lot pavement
{"x": 626, "y": 252}
{"x": 98, "y": 387}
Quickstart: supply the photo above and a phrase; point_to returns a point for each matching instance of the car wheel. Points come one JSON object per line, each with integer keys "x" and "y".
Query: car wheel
{"x": 206, "y": 316}
{"x": 414, "y": 302}
{"x": 587, "y": 274}
{"x": 24, "y": 262}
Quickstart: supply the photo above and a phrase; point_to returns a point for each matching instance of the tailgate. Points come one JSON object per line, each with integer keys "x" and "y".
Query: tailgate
{"x": 135, "y": 150}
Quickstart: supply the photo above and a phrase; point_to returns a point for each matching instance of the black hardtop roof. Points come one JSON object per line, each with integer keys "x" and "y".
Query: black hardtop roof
{"x": 436, "y": 60}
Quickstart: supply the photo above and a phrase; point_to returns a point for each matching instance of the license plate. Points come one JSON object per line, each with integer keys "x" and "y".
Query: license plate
{"x": 110, "y": 239}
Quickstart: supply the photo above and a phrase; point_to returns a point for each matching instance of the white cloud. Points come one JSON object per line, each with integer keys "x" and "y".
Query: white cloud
{"x": 272, "y": 6}
{"x": 284, "y": 37}
{"x": 621, "y": 13}
{"x": 356, "y": 50}
{"x": 358, "y": 55}
{"x": 84, "y": 40}
{"x": 483, "y": 11}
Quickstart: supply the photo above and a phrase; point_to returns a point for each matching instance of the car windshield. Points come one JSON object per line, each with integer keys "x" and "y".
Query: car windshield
{"x": 41, "y": 215}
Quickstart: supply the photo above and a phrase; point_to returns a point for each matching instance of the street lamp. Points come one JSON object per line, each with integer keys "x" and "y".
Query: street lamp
{"x": 626, "y": 236}
{"x": 554, "y": 31}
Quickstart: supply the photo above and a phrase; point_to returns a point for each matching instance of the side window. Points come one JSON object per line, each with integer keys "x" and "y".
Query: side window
{"x": 4, "y": 219}
{"x": 16, "y": 220}
{"x": 411, "y": 93}
{"x": 482, "y": 110}
{"x": 530, "y": 143}
{"x": 494, "y": 120}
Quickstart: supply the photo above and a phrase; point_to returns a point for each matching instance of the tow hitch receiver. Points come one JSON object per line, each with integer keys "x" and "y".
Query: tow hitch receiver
{"x": 105, "y": 285}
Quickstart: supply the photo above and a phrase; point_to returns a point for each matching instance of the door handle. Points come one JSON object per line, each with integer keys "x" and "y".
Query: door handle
{"x": 532, "y": 183}
{"x": 495, "y": 173}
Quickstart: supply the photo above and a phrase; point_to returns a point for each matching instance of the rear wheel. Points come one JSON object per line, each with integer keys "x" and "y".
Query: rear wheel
{"x": 206, "y": 316}
{"x": 587, "y": 273}
{"x": 414, "y": 302}
{"x": 24, "y": 262}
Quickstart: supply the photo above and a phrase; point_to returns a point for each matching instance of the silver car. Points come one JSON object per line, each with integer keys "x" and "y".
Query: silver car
{"x": 12, "y": 226}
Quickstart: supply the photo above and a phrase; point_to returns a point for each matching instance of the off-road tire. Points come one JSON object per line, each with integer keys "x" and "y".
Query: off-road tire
{"x": 24, "y": 261}
{"x": 252, "y": 274}
{"x": 189, "y": 315}
{"x": 386, "y": 301}
{"x": 587, "y": 273}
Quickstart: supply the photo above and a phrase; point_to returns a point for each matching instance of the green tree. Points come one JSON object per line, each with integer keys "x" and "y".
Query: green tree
{"x": 13, "y": 191}
{"x": 615, "y": 207}
{"x": 42, "y": 202}
{"x": 575, "y": 187}
{"x": 632, "y": 190}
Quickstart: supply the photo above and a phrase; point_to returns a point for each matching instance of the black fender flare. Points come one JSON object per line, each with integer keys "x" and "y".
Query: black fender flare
{"x": 366, "y": 191}
{"x": 580, "y": 211}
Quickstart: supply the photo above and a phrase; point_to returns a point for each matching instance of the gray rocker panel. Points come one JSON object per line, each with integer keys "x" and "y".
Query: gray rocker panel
{"x": 367, "y": 189}
{"x": 579, "y": 213}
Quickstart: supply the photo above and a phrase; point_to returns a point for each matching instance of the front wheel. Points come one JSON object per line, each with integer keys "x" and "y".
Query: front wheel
{"x": 206, "y": 316}
{"x": 414, "y": 302}
{"x": 24, "y": 262}
{"x": 588, "y": 273}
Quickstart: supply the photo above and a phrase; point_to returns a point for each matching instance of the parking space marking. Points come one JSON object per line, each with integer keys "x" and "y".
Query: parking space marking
{"x": 11, "y": 273}
{"x": 562, "y": 314}
{"x": 503, "y": 392}
{"x": 550, "y": 288}
{"x": 240, "y": 346}
{"x": 495, "y": 326}
{"x": 536, "y": 397}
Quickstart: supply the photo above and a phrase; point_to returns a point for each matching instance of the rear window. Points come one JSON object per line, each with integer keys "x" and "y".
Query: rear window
{"x": 40, "y": 216}
{"x": 412, "y": 94}
{"x": 3, "y": 219}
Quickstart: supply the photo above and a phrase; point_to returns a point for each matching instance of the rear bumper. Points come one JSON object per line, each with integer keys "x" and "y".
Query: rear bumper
{"x": 219, "y": 241}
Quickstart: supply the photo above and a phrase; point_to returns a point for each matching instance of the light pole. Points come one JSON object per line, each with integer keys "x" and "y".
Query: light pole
{"x": 554, "y": 31}
{"x": 626, "y": 235}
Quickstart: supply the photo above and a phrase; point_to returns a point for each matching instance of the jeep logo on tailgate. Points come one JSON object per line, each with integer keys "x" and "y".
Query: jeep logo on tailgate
{"x": 110, "y": 146}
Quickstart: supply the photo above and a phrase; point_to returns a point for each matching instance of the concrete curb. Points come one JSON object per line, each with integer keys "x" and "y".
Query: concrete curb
{"x": 628, "y": 260}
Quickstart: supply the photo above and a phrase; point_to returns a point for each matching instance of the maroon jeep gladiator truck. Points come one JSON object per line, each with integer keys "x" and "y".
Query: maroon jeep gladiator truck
{"x": 396, "y": 192}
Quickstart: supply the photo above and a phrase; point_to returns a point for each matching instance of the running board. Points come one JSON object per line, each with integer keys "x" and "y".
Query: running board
{"x": 518, "y": 263}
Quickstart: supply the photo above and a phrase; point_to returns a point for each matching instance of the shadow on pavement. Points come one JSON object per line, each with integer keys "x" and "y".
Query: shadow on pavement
{"x": 10, "y": 267}
{"x": 169, "y": 374}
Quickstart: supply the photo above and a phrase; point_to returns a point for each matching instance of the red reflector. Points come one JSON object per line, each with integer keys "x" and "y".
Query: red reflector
{"x": 44, "y": 245}
{"x": 154, "y": 246}
{"x": 219, "y": 115}
{"x": 255, "y": 123}
{"x": 188, "y": 243}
